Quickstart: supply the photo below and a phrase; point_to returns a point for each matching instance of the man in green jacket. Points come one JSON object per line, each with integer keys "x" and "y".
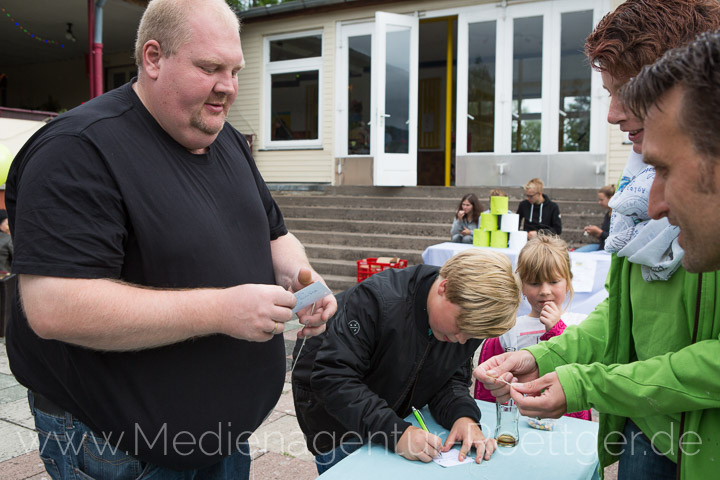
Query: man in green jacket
{"x": 647, "y": 358}
{"x": 679, "y": 100}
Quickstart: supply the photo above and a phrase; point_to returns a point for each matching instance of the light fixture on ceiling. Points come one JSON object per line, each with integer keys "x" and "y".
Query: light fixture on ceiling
{"x": 69, "y": 33}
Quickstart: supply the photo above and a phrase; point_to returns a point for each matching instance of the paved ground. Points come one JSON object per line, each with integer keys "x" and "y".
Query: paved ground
{"x": 278, "y": 448}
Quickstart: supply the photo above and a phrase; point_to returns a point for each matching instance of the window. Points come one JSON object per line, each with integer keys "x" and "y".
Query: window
{"x": 524, "y": 84}
{"x": 527, "y": 84}
{"x": 293, "y": 109}
{"x": 575, "y": 78}
{"x": 397, "y": 90}
{"x": 481, "y": 86}
{"x": 358, "y": 88}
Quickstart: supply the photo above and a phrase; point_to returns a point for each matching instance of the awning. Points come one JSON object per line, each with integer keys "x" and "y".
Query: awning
{"x": 14, "y": 133}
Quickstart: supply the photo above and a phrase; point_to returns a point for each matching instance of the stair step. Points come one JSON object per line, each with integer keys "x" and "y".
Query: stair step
{"x": 386, "y": 241}
{"x": 369, "y": 226}
{"x": 350, "y": 253}
{"x": 340, "y": 283}
{"x": 400, "y": 205}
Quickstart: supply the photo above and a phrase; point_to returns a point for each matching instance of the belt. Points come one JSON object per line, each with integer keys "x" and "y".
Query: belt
{"x": 46, "y": 406}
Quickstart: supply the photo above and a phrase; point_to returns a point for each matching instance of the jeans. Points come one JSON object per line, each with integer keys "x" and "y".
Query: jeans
{"x": 590, "y": 247}
{"x": 460, "y": 238}
{"x": 71, "y": 451}
{"x": 326, "y": 460}
{"x": 639, "y": 461}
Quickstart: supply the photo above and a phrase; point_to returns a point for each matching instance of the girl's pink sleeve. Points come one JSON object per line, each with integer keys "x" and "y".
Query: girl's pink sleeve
{"x": 490, "y": 348}
{"x": 583, "y": 415}
{"x": 556, "y": 330}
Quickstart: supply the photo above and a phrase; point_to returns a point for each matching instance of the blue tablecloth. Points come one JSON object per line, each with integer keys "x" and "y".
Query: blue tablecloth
{"x": 568, "y": 452}
{"x": 588, "y": 291}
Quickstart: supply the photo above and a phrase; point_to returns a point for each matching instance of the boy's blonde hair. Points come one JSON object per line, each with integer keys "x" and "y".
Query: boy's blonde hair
{"x": 536, "y": 184}
{"x": 543, "y": 259}
{"x": 496, "y": 192}
{"x": 485, "y": 288}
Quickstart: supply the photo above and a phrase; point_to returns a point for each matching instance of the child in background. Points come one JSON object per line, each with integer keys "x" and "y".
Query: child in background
{"x": 544, "y": 269}
{"x": 467, "y": 219}
{"x": 496, "y": 192}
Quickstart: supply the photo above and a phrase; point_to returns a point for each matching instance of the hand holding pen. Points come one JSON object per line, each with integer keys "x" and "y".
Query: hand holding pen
{"x": 417, "y": 443}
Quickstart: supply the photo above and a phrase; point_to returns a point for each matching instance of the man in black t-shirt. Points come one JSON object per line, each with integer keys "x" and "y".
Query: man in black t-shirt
{"x": 154, "y": 266}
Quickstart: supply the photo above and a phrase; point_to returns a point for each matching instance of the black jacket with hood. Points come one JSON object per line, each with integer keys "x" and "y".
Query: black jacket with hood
{"x": 545, "y": 216}
{"x": 376, "y": 359}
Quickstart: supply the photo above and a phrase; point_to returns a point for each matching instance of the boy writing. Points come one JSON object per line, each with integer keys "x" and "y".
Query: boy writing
{"x": 399, "y": 339}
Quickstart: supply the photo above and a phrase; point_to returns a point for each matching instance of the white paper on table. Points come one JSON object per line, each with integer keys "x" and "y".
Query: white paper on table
{"x": 583, "y": 271}
{"x": 450, "y": 459}
{"x": 310, "y": 294}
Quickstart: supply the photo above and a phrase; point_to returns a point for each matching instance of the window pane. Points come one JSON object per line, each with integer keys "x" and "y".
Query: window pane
{"x": 294, "y": 48}
{"x": 481, "y": 87}
{"x": 574, "y": 134}
{"x": 397, "y": 90}
{"x": 359, "y": 56}
{"x": 527, "y": 84}
{"x": 294, "y": 108}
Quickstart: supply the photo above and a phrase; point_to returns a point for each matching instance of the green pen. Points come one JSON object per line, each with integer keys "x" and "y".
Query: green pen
{"x": 419, "y": 418}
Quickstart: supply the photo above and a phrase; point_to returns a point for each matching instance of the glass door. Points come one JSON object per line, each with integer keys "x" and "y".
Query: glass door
{"x": 395, "y": 79}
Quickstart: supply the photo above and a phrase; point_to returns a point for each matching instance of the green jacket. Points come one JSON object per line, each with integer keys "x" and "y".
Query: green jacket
{"x": 632, "y": 357}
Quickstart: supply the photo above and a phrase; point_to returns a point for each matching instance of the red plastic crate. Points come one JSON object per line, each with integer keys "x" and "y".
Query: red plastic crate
{"x": 370, "y": 266}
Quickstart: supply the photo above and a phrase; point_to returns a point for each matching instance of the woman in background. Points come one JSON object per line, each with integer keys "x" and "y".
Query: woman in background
{"x": 604, "y": 195}
{"x": 467, "y": 218}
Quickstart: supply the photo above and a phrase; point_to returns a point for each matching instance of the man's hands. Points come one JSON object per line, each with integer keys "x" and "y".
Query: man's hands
{"x": 506, "y": 367}
{"x": 467, "y": 431}
{"x": 545, "y": 397}
{"x": 257, "y": 312}
{"x": 538, "y": 397}
{"x": 315, "y": 316}
{"x": 417, "y": 444}
{"x": 261, "y": 311}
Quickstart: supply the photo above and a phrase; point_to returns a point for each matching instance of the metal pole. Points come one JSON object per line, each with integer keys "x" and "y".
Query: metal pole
{"x": 91, "y": 38}
{"x": 448, "y": 102}
{"x": 98, "y": 49}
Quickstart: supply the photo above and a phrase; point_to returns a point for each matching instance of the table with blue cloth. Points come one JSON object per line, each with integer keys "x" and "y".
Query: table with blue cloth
{"x": 588, "y": 282}
{"x": 567, "y": 452}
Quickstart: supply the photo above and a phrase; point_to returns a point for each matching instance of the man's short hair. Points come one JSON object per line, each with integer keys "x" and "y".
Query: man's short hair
{"x": 534, "y": 184}
{"x": 638, "y": 32}
{"x": 483, "y": 285}
{"x": 695, "y": 68}
{"x": 166, "y": 21}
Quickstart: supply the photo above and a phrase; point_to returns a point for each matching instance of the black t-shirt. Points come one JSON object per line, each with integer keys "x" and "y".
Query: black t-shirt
{"x": 104, "y": 192}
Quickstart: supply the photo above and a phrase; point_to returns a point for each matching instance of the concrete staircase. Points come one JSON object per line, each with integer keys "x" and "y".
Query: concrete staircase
{"x": 340, "y": 225}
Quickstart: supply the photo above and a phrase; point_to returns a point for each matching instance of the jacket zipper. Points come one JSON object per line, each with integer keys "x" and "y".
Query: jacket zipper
{"x": 412, "y": 385}
{"x": 698, "y": 302}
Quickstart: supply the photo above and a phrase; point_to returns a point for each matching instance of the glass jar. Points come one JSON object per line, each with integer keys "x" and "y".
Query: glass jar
{"x": 507, "y": 431}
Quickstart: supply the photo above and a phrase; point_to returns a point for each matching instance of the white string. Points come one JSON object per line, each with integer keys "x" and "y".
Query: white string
{"x": 297, "y": 357}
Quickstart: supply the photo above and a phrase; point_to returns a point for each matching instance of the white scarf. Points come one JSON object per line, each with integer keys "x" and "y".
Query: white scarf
{"x": 633, "y": 234}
